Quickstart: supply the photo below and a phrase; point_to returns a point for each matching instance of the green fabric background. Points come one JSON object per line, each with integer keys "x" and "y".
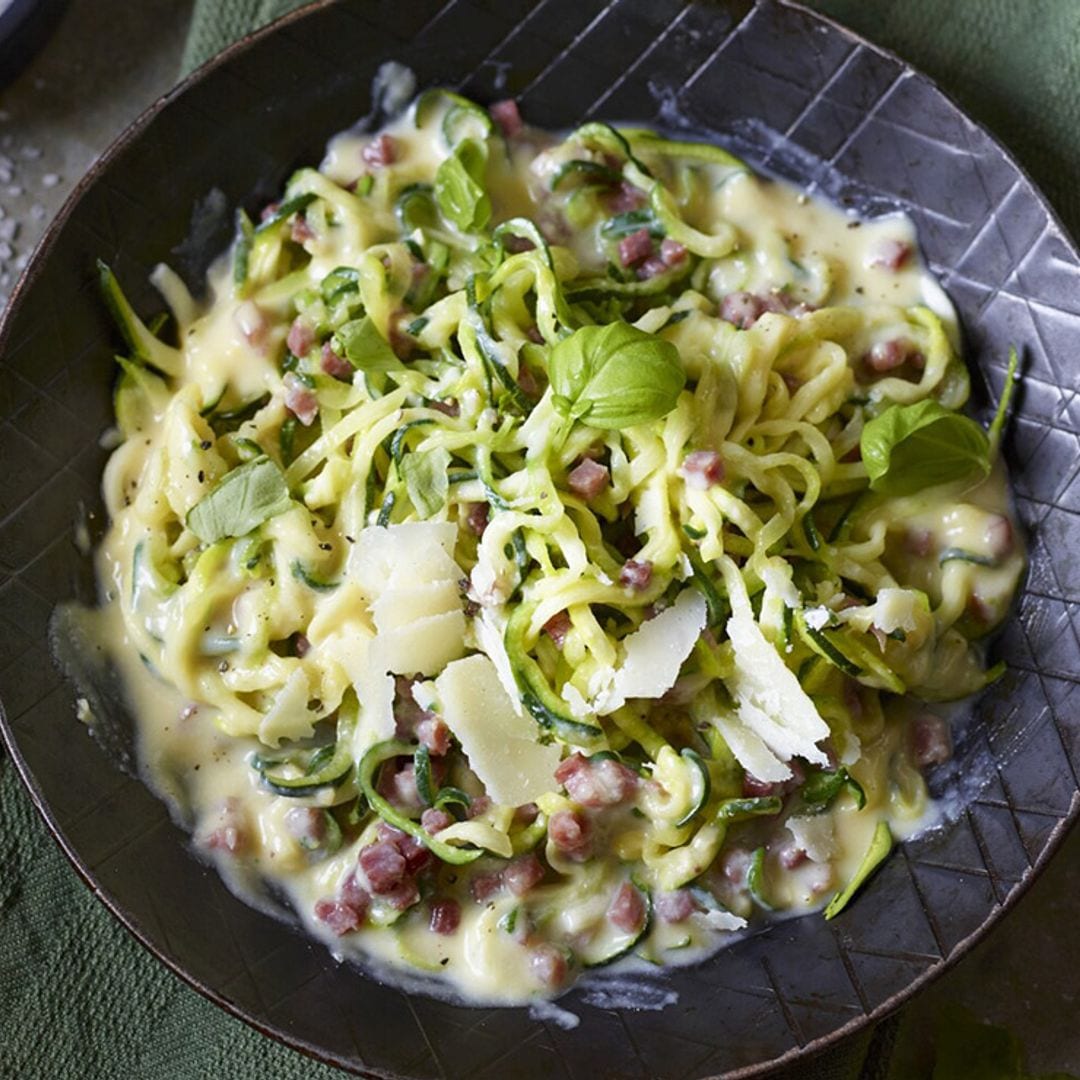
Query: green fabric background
{"x": 99, "y": 1005}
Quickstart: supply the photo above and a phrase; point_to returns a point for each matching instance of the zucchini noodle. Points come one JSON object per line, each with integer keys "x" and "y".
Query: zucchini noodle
{"x": 523, "y": 553}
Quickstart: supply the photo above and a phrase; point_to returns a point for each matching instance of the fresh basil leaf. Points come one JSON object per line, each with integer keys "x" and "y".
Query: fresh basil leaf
{"x": 426, "y": 481}
{"x": 458, "y": 190}
{"x": 360, "y": 342}
{"x": 822, "y": 787}
{"x": 615, "y": 376}
{"x": 911, "y": 447}
{"x": 242, "y": 501}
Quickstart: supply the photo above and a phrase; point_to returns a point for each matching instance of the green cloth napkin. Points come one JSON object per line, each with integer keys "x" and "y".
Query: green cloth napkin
{"x": 79, "y": 997}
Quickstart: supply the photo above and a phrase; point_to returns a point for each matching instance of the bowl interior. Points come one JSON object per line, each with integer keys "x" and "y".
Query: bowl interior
{"x": 799, "y": 98}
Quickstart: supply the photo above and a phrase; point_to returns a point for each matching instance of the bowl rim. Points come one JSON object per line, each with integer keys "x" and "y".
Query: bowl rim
{"x": 797, "y": 1054}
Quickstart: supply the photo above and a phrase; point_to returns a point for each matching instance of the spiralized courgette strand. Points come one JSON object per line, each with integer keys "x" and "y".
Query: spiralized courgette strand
{"x": 534, "y": 551}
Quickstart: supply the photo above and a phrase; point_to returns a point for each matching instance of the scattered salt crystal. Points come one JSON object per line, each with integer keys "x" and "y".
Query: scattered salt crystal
{"x": 50, "y": 180}
{"x": 37, "y": 212}
{"x": 6, "y": 251}
{"x": 22, "y": 260}
{"x": 15, "y": 190}
{"x": 9, "y": 229}
{"x": 31, "y": 153}
{"x": 6, "y": 175}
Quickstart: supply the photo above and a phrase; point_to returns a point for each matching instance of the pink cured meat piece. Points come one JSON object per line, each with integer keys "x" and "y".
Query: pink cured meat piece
{"x": 702, "y": 469}
{"x": 627, "y": 909}
{"x": 301, "y": 336}
{"x": 635, "y": 248}
{"x": 596, "y": 783}
{"x": 507, "y": 115}
{"x": 335, "y": 365}
{"x": 571, "y": 834}
{"x": 636, "y": 575}
{"x": 339, "y": 917}
{"x": 523, "y": 874}
{"x": 588, "y": 479}
{"x": 445, "y": 916}
{"x": 674, "y": 907}
{"x": 384, "y": 866}
{"x": 300, "y": 400}
{"x": 381, "y": 151}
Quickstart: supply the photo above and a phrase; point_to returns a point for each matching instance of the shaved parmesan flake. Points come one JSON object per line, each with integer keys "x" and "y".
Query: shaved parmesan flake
{"x": 398, "y": 607}
{"x": 579, "y": 707}
{"x": 818, "y": 618}
{"x": 344, "y": 604}
{"x": 402, "y": 555}
{"x": 769, "y": 700}
{"x": 780, "y": 594}
{"x": 490, "y": 630}
{"x": 655, "y": 652}
{"x": 288, "y": 717}
{"x": 501, "y": 745}
{"x": 750, "y": 752}
{"x": 724, "y": 920}
{"x": 376, "y": 695}
{"x": 816, "y": 835}
{"x": 424, "y": 646}
{"x": 350, "y": 648}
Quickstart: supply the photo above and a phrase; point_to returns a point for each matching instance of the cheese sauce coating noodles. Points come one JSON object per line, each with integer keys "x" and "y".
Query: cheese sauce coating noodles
{"x": 538, "y": 551}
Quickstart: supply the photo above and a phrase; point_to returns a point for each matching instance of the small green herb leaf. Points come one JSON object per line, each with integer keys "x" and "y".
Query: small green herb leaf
{"x": 365, "y": 348}
{"x": 242, "y": 501}
{"x": 880, "y": 846}
{"x": 615, "y": 376}
{"x": 426, "y": 481}
{"x": 458, "y": 190}
{"x": 911, "y": 447}
{"x": 822, "y": 787}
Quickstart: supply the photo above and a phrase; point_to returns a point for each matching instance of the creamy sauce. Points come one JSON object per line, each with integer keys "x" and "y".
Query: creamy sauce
{"x": 215, "y": 676}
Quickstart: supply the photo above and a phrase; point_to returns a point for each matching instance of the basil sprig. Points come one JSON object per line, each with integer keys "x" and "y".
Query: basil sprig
{"x": 242, "y": 501}
{"x": 911, "y": 447}
{"x": 426, "y": 481}
{"x": 364, "y": 347}
{"x": 458, "y": 188}
{"x": 615, "y": 376}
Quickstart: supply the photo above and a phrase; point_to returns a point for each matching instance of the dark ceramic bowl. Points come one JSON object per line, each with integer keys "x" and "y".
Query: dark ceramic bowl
{"x": 800, "y": 98}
